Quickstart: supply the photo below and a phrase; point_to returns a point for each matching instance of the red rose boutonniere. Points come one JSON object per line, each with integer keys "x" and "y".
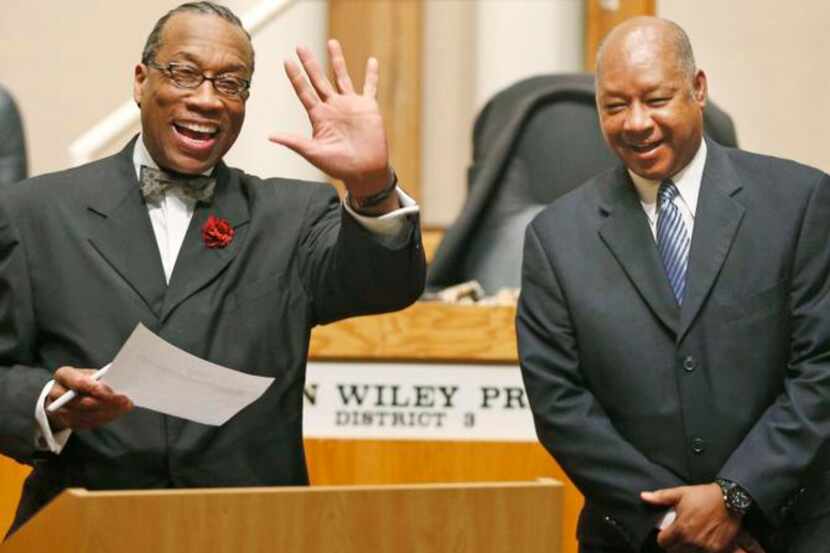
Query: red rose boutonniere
{"x": 217, "y": 232}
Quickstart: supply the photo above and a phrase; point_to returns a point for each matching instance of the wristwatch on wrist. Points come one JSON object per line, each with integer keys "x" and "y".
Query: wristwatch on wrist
{"x": 736, "y": 499}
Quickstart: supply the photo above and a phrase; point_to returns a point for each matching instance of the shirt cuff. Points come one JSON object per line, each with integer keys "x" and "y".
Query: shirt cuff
{"x": 393, "y": 224}
{"x": 45, "y": 440}
{"x": 667, "y": 519}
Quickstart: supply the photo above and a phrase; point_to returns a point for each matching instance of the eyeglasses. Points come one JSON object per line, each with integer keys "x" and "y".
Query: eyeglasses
{"x": 190, "y": 77}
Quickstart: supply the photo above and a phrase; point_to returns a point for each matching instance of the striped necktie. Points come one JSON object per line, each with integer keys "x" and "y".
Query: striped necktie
{"x": 672, "y": 238}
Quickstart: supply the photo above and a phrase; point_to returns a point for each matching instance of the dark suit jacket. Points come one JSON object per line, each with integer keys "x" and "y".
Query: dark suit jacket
{"x": 79, "y": 268}
{"x": 632, "y": 393}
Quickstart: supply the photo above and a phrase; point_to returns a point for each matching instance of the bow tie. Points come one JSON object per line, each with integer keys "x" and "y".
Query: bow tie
{"x": 155, "y": 182}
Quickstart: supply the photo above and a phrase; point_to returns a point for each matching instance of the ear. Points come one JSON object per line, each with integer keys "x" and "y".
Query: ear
{"x": 140, "y": 78}
{"x": 700, "y": 88}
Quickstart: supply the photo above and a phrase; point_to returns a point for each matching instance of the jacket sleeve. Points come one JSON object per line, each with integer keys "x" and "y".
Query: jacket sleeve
{"x": 349, "y": 271}
{"x": 570, "y": 422}
{"x": 20, "y": 382}
{"x": 776, "y": 455}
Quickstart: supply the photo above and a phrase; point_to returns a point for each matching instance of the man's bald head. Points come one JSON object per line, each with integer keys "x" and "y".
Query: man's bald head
{"x": 650, "y": 97}
{"x": 666, "y": 35}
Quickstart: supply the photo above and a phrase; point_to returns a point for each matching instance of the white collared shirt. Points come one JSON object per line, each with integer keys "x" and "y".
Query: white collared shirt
{"x": 171, "y": 215}
{"x": 170, "y": 218}
{"x": 687, "y": 181}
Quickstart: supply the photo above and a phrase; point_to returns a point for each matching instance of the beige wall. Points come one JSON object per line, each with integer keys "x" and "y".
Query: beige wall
{"x": 471, "y": 51}
{"x": 448, "y": 107}
{"x": 767, "y": 63}
{"x": 69, "y": 66}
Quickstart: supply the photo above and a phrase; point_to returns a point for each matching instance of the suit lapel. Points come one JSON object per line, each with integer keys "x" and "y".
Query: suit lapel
{"x": 717, "y": 219}
{"x": 627, "y": 234}
{"x": 197, "y": 265}
{"x": 121, "y": 231}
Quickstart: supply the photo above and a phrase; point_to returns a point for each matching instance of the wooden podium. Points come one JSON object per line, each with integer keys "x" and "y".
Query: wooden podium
{"x": 465, "y": 518}
{"x": 432, "y": 333}
{"x": 423, "y": 333}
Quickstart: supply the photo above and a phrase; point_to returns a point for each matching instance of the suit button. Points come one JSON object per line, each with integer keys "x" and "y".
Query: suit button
{"x": 689, "y": 364}
{"x": 698, "y": 446}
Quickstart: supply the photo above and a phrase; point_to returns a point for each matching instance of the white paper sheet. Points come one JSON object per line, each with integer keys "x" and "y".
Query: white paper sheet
{"x": 159, "y": 376}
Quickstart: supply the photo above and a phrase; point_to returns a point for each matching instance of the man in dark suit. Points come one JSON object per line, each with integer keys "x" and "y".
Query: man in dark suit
{"x": 225, "y": 265}
{"x": 674, "y": 324}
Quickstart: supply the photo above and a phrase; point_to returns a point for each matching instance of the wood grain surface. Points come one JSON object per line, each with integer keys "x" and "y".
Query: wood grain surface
{"x": 387, "y": 462}
{"x": 392, "y": 32}
{"x": 12, "y": 475}
{"x": 602, "y": 15}
{"x": 423, "y": 332}
{"x": 468, "y": 518}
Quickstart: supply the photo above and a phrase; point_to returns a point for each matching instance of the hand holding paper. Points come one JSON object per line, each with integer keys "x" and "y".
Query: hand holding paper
{"x": 72, "y": 394}
{"x": 159, "y": 376}
{"x": 94, "y": 403}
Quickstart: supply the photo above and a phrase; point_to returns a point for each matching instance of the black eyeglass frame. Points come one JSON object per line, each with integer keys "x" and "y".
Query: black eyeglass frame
{"x": 169, "y": 71}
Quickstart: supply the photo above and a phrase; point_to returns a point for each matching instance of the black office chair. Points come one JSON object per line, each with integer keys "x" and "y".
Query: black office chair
{"x": 532, "y": 142}
{"x": 13, "y": 165}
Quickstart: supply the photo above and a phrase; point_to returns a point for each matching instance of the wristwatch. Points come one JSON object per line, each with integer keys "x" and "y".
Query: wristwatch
{"x": 736, "y": 499}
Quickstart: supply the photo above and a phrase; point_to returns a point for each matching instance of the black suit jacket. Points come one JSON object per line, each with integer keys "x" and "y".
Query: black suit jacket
{"x": 632, "y": 393}
{"x": 79, "y": 268}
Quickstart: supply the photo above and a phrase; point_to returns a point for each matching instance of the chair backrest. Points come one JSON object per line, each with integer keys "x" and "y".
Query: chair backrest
{"x": 532, "y": 143}
{"x": 13, "y": 165}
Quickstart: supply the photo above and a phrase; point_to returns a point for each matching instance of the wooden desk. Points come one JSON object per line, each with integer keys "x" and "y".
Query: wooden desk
{"x": 478, "y": 517}
{"x": 428, "y": 332}
{"x": 11, "y": 481}
{"x": 423, "y": 333}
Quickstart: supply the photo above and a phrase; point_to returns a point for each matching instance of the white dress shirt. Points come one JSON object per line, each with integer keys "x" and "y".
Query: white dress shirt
{"x": 687, "y": 181}
{"x": 170, "y": 218}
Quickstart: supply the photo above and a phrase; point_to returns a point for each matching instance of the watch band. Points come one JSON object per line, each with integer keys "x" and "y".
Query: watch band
{"x": 377, "y": 197}
{"x": 735, "y": 498}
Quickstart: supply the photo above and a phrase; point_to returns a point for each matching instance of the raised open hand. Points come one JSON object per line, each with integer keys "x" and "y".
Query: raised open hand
{"x": 348, "y": 140}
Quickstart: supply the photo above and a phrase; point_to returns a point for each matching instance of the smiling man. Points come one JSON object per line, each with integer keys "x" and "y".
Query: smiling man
{"x": 230, "y": 267}
{"x": 674, "y": 324}
{"x": 190, "y": 132}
